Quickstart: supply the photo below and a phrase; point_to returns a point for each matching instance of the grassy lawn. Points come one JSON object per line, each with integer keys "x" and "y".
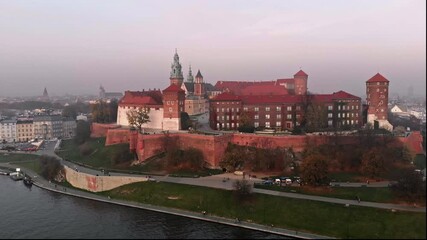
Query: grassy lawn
{"x": 369, "y": 194}
{"x": 14, "y": 157}
{"x": 100, "y": 156}
{"x": 32, "y": 165}
{"x": 302, "y": 215}
{"x": 345, "y": 176}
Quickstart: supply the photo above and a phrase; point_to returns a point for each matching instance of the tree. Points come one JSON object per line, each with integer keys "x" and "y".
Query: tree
{"x": 51, "y": 168}
{"x": 82, "y": 132}
{"x": 185, "y": 121}
{"x": 245, "y": 123}
{"x": 138, "y": 117}
{"x": 69, "y": 111}
{"x": 399, "y": 130}
{"x": 410, "y": 186}
{"x": 314, "y": 169}
{"x": 373, "y": 162}
{"x": 315, "y": 117}
{"x": 242, "y": 189}
{"x": 112, "y": 107}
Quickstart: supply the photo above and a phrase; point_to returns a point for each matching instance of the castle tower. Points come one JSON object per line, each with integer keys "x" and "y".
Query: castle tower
{"x": 176, "y": 76}
{"x": 190, "y": 78}
{"x": 377, "y": 101}
{"x": 300, "y": 79}
{"x": 101, "y": 92}
{"x": 173, "y": 105}
{"x": 199, "y": 87}
{"x": 45, "y": 95}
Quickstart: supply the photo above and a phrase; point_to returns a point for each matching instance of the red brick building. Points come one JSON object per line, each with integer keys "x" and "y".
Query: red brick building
{"x": 281, "y": 105}
{"x": 377, "y": 101}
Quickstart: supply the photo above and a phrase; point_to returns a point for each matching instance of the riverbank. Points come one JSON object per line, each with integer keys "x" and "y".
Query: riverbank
{"x": 199, "y": 216}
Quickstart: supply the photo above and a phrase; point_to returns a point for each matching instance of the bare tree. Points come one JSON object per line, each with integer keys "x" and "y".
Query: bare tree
{"x": 138, "y": 117}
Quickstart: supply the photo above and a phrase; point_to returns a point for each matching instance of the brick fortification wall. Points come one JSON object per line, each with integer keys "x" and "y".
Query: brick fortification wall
{"x": 213, "y": 147}
{"x": 98, "y": 183}
{"x": 100, "y": 129}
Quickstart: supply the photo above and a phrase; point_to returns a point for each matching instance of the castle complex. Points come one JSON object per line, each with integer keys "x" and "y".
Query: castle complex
{"x": 281, "y": 104}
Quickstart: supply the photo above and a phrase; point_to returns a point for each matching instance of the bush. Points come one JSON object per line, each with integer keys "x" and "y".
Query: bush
{"x": 122, "y": 154}
{"x": 410, "y": 186}
{"x": 243, "y": 189}
{"x": 85, "y": 149}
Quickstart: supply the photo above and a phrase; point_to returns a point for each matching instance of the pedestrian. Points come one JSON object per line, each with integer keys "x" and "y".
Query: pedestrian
{"x": 358, "y": 199}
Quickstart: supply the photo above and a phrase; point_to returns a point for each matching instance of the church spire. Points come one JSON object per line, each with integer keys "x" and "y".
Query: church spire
{"x": 176, "y": 76}
{"x": 190, "y": 75}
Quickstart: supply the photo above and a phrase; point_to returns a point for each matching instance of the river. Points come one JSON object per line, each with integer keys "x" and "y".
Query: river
{"x": 37, "y": 213}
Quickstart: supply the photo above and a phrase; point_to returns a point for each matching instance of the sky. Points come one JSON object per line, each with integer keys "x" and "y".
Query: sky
{"x": 74, "y": 46}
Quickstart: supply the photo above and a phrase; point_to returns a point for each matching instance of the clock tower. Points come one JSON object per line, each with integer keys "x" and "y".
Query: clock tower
{"x": 377, "y": 101}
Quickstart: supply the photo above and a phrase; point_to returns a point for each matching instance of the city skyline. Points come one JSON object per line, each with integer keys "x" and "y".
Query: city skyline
{"x": 74, "y": 47}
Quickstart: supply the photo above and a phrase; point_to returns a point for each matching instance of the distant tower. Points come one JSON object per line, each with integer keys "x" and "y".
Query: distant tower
{"x": 190, "y": 78}
{"x": 45, "y": 95}
{"x": 377, "y": 101}
{"x": 173, "y": 105}
{"x": 101, "y": 92}
{"x": 199, "y": 89}
{"x": 176, "y": 76}
{"x": 300, "y": 79}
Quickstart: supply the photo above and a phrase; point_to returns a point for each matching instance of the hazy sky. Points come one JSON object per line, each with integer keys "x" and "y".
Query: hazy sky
{"x": 72, "y": 46}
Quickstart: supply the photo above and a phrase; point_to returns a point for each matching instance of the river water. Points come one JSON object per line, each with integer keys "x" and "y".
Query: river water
{"x": 37, "y": 213}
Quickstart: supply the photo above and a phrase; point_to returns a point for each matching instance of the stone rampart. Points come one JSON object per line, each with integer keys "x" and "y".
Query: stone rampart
{"x": 98, "y": 183}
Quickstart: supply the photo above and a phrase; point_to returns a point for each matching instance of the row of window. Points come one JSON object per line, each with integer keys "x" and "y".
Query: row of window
{"x": 346, "y": 107}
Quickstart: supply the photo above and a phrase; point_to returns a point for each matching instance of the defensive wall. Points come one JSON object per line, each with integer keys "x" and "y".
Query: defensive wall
{"x": 98, "y": 183}
{"x": 100, "y": 129}
{"x": 213, "y": 146}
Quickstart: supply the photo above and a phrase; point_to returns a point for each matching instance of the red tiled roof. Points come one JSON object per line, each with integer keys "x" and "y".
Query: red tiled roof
{"x": 273, "y": 99}
{"x": 345, "y": 95}
{"x": 237, "y": 86}
{"x": 264, "y": 90}
{"x": 173, "y": 88}
{"x": 414, "y": 142}
{"x": 301, "y": 73}
{"x": 378, "y": 78}
{"x": 139, "y": 98}
{"x": 226, "y": 96}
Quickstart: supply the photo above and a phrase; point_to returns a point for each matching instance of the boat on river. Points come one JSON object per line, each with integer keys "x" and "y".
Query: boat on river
{"x": 28, "y": 181}
{"x": 16, "y": 176}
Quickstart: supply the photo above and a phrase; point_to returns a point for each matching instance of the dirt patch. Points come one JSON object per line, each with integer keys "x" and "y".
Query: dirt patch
{"x": 173, "y": 198}
{"x": 127, "y": 191}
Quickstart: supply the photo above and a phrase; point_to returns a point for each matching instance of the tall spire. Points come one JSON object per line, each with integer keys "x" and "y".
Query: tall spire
{"x": 176, "y": 69}
{"x": 190, "y": 75}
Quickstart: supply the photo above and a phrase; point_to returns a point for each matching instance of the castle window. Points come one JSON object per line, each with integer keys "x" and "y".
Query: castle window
{"x": 279, "y": 116}
{"x": 267, "y": 116}
{"x": 278, "y": 124}
{"x": 278, "y": 108}
{"x": 256, "y": 109}
{"x": 267, "y": 124}
{"x": 245, "y": 109}
{"x": 267, "y": 109}
{"x": 330, "y": 107}
{"x": 289, "y": 108}
{"x": 378, "y": 89}
{"x": 329, "y": 115}
{"x": 289, "y": 116}
{"x": 256, "y": 124}
{"x": 256, "y": 116}
{"x": 298, "y": 108}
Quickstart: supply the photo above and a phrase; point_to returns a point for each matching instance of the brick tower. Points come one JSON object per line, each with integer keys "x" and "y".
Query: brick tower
{"x": 300, "y": 79}
{"x": 199, "y": 89}
{"x": 173, "y": 105}
{"x": 176, "y": 76}
{"x": 377, "y": 101}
